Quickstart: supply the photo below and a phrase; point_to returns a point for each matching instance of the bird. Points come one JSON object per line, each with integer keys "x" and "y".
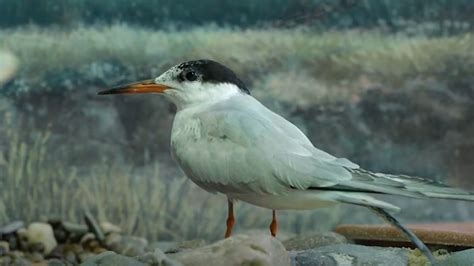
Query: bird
{"x": 227, "y": 142}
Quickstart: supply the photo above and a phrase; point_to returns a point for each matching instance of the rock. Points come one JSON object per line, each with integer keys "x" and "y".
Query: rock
{"x": 186, "y": 245}
{"x": 57, "y": 262}
{"x": 65, "y": 231}
{"x": 315, "y": 240}
{"x": 110, "y": 258}
{"x": 465, "y": 257}
{"x": 11, "y": 228}
{"x": 237, "y": 250}
{"x": 90, "y": 243}
{"x": 35, "y": 257}
{"x": 87, "y": 238}
{"x": 126, "y": 245}
{"x": 17, "y": 258}
{"x": 42, "y": 234}
{"x": 108, "y": 228}
{"x": 5, "y": 260}
{"x": 74, "y": 228}
{"x": 67, "y": 252}
{"x": 21, "y": 240}
{"x": 349, "y": 254}
{"x": 282, "y": 235}
{"x": 157, "y": 258}
{"x": 94, "y": 227}
{"x": 163, "y": 245}
{"x": 4, "y": 248}
{"x": 437, "y": 234}
{"x": 8, "y": 233}
{"x": 86, "y": 255}
{"x": 8, "y": 66}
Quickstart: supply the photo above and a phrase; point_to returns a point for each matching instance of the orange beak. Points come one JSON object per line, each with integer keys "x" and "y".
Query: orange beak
{"x": 145, "y": 86}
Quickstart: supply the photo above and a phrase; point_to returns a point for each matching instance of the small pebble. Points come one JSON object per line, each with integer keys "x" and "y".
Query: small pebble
{"x": 4, "y": 248}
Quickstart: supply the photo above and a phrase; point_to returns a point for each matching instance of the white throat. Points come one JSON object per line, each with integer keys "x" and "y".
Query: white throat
{"x": 200, "y": 94}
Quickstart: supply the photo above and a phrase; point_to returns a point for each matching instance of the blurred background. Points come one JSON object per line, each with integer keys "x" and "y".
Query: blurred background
{"x": 387, "y": 84}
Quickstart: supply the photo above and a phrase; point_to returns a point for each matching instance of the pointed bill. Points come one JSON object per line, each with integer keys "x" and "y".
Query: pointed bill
{"x": 144, "y": 86}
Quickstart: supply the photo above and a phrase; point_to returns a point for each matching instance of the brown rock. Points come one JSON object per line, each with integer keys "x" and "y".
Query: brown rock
{"x": 454, "y": 235}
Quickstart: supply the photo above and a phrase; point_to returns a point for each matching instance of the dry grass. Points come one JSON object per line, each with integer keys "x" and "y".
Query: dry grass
{"x": 348, "y": 60}
{"x": 142, "y": 202}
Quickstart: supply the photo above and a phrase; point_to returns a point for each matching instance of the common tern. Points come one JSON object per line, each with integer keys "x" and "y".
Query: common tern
{"x": 227, "y": 141}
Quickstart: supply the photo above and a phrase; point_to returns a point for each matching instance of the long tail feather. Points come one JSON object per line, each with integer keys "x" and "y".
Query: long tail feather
{"x": 413, "y": 238}
{"x": 404, "y": 185}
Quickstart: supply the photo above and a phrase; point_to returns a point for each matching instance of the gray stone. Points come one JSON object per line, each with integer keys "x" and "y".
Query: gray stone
{"x": 163, "y": 245}
{"x": 57, "y": 262}
{"x": 11, "y": 227}
{"x": 126, "y": 245}
{"x": 4, "y": 248}
{"x": 157, "y": 258}
{"x": 349, "y": 254}
{"x": 110, "y": 258}
{"x": 74, "y": 228}
{"x": 17, "y": 258}
{"x": 8, "y": 66}
{"x": 108, "y": 228}
{"x": 34, "y": 257}
{"x": 315, "y": 240}
{"x": 185, "y": 245}
{"x": 94, "y": 227}
{"x": 237, "y": 250}
{"x": 465, "y": 257}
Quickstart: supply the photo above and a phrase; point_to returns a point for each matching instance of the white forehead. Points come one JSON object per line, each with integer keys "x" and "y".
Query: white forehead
{"x": 169, "y": 75}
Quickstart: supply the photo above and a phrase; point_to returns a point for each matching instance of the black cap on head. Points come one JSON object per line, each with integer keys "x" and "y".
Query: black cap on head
{"x": 213, "y": 72}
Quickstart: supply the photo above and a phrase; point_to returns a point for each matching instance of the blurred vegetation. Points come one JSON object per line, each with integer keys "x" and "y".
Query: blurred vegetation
{"x": 389, "y": 84}
{"x": 449, "y": 16}
{"x": 142, "y": 203}
{"x": 337, "y": 62}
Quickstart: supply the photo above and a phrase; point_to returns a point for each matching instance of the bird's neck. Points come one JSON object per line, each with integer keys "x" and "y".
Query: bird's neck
{"x": 203, "y": 96}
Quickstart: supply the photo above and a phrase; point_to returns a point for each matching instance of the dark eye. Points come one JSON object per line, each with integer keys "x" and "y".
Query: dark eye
{"x": 190, "y": 76}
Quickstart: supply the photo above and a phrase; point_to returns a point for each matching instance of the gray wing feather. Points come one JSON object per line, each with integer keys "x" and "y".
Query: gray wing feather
{"x": 252, "y": 149}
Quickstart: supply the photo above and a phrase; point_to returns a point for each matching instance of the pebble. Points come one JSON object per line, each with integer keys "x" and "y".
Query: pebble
{"x": 41, "y": 234}
{"x": 4, "y": 248}
{"x": 108, "y": 228}
{"x": 57, "y": 262}
{"x": 126, "y": 245}
{"x": 11, "y": 228}
{"x": 94, "y": 227}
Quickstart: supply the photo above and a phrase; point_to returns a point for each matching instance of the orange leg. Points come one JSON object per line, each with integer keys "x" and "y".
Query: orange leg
{"x": 230, "y": 218}
{"x": 273, "y": 225}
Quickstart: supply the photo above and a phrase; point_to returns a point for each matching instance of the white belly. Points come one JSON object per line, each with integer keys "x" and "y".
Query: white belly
{"x": 295, "y": 200}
